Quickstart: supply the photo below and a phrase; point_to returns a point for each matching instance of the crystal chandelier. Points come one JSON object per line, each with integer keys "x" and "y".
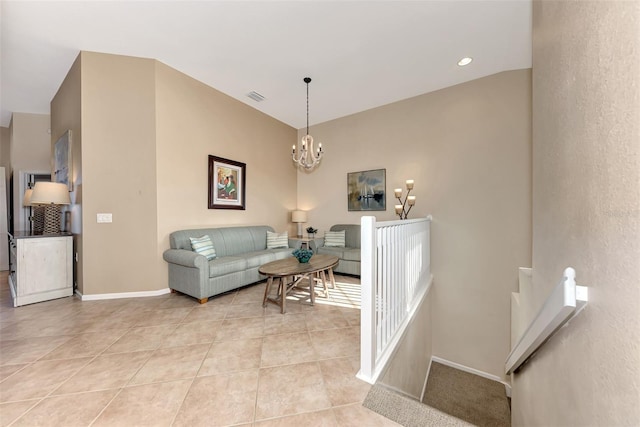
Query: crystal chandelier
{"x": 308, "y": 158}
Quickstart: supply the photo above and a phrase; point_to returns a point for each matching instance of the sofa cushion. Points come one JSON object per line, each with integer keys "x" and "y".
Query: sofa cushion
{"x": 277, "y": 240}
{"x": 351, "y": 254}
{"x": 204, "y": 246}
{"x": 334, "y": 239}
{"x": 226, "y": 265}
{"x": 256, "y": 259}
{"x": 330, "y": 251}
{"x": 352, "y": 234}
{"x": 347, "y": 254}
{"x": 282, "y": 253}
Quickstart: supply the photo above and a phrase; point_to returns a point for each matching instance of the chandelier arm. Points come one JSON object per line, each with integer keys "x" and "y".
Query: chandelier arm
{"x": 307, "y": 157}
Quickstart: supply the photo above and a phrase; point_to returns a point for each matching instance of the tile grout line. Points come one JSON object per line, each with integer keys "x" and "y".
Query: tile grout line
{"x": 238, "y": 300}
{"x": 184, "y": 398}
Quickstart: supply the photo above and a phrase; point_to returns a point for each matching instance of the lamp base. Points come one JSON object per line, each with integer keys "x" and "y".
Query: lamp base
{"x": 299, "y": 230}
{"x": 51, "y": 219}
{"x": 38, "y": 219}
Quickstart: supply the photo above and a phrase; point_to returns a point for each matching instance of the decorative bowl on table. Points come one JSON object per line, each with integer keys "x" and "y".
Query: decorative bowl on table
{"x": 303, "y": 255}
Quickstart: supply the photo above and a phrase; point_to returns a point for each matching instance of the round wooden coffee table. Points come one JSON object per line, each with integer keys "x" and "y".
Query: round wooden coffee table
{"x": 289, "y": 268}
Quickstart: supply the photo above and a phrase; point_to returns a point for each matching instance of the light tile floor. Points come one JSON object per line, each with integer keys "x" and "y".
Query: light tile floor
{"x": 171, "y": 361}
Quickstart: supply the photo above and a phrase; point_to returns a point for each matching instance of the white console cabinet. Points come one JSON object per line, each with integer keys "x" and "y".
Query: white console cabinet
{"x": 41, "y": 267}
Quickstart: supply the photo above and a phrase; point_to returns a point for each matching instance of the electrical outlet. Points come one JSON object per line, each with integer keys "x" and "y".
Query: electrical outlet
{"x": 104, "y": 217}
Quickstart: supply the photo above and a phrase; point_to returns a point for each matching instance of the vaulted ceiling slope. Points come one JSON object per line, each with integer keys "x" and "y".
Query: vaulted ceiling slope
{"x": 360, "y": 54}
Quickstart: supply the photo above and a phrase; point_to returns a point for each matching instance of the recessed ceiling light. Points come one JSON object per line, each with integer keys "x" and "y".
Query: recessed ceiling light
{"x": 465, "y": 61}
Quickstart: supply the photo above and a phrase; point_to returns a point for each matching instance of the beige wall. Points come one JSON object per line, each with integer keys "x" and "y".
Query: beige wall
{"x": 30, "y": 142}
{"x": 586, "y": 212}
{"x": 119, "y": 174}
{"x": 195, "y": 121}
{"x": 30, "y": 152}
{"x": 468, "y": 148}
{"x": 5, "y": 151}
{"x": 143, "y": 132}
{"x": 66, "y": 115}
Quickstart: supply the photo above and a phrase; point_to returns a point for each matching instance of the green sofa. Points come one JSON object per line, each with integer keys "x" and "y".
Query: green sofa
{"x": 349, "y": 255}
{"x": 240, "y": 251}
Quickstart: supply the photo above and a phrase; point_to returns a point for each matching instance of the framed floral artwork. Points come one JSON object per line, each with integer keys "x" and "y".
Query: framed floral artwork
{"x": 227, "y": 183}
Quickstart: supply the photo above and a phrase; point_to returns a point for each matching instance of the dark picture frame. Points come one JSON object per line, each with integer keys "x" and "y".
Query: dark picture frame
{"x": 366, "y": 190}
{"x": 227, "y": 183}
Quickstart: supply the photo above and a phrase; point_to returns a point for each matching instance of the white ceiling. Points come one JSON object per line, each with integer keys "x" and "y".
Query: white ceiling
{"x": 360, "y": 54}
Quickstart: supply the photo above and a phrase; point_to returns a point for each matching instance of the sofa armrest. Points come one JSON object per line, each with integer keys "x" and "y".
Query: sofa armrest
{"x": 295, "y": 243}
{"x": 316, "y": 243}
{"x": 185, "y": 258}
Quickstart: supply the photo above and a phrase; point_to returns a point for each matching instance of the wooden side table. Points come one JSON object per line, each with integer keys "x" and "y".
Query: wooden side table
{"x": 304, "y": 242}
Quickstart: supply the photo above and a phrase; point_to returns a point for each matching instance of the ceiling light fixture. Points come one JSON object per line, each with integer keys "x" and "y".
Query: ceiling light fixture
{"x": 308, "y": 159}
{"x": 465, "y": 61}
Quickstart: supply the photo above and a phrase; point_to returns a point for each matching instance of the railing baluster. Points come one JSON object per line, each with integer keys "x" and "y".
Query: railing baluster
{"x": 395, "y": 276}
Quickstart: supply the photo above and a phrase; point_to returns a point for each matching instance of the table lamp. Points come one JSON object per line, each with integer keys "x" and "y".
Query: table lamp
{"x": 50, "y": 195}
{"x": 37, "y": 212}
{"x": 299, "y": 217}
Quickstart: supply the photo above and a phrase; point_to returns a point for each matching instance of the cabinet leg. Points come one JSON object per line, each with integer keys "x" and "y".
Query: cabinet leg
{"x": 203, "y": 300}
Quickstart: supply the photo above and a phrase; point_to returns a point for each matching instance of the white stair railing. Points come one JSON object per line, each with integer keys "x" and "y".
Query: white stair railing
{"x": 395, "y": 277}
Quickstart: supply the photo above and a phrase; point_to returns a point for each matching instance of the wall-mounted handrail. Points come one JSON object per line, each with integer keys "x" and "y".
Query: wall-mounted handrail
{"x": 565, "y": 302}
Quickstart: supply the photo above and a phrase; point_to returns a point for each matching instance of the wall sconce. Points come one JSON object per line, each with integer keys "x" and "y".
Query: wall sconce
{"x": 299, "y": 217}
{"x": 50, "y": 196}
{"x": 36, "y": 219}
{"x": 401, "y": 210}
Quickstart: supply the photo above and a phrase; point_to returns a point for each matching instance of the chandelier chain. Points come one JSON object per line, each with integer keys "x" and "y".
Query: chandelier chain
{"x": 307, "y": 81}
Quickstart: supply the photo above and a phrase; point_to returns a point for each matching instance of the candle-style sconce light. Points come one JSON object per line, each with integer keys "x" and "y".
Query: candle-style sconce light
{"x": 402, "y": 210}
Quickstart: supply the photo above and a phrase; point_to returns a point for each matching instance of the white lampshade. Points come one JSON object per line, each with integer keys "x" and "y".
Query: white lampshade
{"x": 298, "y": 216}
{"x": 50, "y": 193}
{"x": 26, "y": 199}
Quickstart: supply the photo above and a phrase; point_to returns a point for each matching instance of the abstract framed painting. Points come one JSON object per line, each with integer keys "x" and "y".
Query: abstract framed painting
{"x": 227, "y": 183}
{"x": 62, "y": 160}
{"x": 366, "y": 190}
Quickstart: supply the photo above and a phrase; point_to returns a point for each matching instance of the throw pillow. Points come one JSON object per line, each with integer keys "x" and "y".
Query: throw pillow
{"x": 204, "y": 246}
{"x": 334, "y": 238}
{"x": 277, "y": 240}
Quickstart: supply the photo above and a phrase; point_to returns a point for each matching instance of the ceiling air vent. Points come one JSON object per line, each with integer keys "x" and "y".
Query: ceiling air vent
{"x": 255, "y": 96}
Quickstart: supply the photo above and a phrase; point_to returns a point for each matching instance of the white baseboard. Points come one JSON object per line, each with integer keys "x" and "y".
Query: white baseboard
{"x": 507, "y": 386}
{"x": 139, "y": 294}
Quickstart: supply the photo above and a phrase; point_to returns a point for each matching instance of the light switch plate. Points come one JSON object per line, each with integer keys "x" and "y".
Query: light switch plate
{"x": 104, "y": 217}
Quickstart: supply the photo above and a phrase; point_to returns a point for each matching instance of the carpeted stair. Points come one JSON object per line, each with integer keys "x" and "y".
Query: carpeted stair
{"x": 452, "y": 398}
{"x": 472, "y": 398}
{"x": 406, "y": 411}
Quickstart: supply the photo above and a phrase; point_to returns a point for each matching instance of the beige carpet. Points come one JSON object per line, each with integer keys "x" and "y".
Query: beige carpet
{"x": 472, "y": 398}
{"x": 405, "y": 411}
